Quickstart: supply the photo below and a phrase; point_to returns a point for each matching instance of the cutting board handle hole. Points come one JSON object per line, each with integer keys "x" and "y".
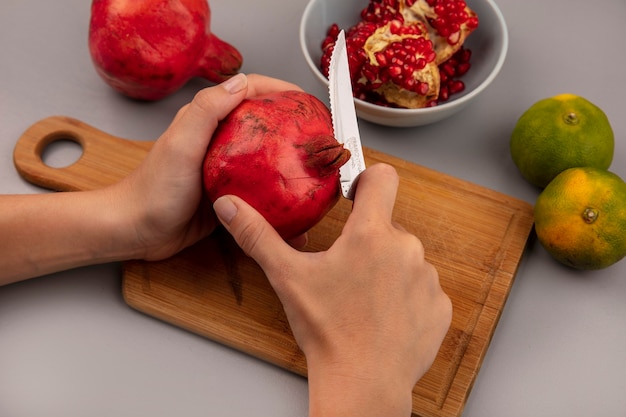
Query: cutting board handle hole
{"x": 61, "y": 152}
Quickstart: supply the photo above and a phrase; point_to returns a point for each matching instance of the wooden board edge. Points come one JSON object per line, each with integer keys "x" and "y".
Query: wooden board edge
{"x": 454, "y": 402}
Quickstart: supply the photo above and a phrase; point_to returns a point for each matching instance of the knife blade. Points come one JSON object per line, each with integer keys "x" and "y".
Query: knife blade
{"x": 345, "y": 124}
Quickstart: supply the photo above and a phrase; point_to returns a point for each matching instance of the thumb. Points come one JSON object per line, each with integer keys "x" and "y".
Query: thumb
{"x": 253, "y": 233}
{"x": 194, "y": 124}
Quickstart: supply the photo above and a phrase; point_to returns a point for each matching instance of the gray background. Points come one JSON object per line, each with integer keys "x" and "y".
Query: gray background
{"x": 69, "y": 346}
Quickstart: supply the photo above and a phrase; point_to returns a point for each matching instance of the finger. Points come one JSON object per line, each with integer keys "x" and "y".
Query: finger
{"x": 256, "y": 85}
{"x": 299, "y": 242}
{"x": 375, "y": 195}
{"x": 197, "y": 121}
{"x": 260, "y": 84}
{"x": 253, "y": 233}
{"x": 398, "y": 226}
{"x": 180, "y": 113}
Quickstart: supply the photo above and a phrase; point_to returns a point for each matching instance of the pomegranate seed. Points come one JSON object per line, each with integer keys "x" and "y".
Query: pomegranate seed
{"x": 456, "y": 86}
{"x": 395, "y": 26}
{"x": 333, "y": 31}
{"x": 464, "y": 54}
{"x": 381, "y": 58}
{"x": 396, "y": 60}
{"x": 328, "y": 41}
{"x": 448, "y": 68}
{"x": 443, "y": 93}
{"x": 394, "y": 70}
{"x": 462, "y": 68}
{"x": 369, "y": 73}
{"x": 423, "y": 89}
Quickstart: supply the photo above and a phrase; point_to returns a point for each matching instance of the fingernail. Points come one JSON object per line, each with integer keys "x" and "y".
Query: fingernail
{"x": 225, "y": 209}
{"x": 235, "y": 83}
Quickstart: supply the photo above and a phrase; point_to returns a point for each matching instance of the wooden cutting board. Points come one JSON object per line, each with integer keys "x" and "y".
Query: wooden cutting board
{"x": 474, "y": 236}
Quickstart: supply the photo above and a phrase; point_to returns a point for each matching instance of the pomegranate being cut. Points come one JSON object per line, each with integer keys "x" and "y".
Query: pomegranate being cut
{"x": 407, "y": 53}
{"x": 277, "y": 152}
{"x": 148, "y": 49}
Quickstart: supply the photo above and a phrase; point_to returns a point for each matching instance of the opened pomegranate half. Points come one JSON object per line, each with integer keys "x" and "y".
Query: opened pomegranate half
{"x": 148, "y": 49}
{"x": 407, "y": 53}
{"x": 277, "y": 152}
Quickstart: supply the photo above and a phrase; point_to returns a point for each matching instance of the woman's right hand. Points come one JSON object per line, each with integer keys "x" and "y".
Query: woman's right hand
{"x": 368, "y": 313}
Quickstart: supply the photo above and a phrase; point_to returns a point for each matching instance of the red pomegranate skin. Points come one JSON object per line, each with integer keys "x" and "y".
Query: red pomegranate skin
{"x": 277, "y": 152}
{"x": 148, "y": 49}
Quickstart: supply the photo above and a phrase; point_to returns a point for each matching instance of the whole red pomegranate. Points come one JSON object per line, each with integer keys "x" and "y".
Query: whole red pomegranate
{"x": 148, "y": 49}
{"x": 277, "y": 152}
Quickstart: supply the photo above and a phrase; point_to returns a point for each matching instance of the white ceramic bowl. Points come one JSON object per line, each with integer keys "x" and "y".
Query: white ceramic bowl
{"x": 488, "y": 43}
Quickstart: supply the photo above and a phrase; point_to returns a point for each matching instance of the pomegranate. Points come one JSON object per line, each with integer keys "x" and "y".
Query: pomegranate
{"x": 148, "y": 49}
{"x": 407, "y": 53}
{"x": 393, "y": 60}
{"x": 449, "y": 23}
{"x": 278, "y": 153}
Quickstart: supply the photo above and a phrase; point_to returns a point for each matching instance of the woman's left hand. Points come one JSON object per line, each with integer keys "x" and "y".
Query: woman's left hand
{"x": 163, "y": 197}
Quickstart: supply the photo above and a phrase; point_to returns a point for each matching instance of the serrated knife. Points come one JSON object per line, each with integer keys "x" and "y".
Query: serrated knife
{"x": 343, "y": 113}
